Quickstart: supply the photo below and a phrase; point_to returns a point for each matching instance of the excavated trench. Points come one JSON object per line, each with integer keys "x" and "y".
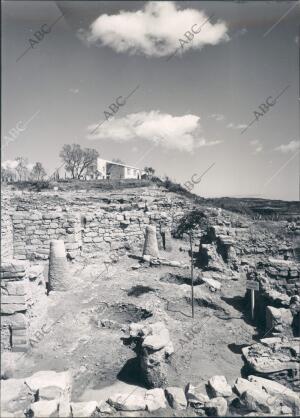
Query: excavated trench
{"x": 139, "y": 290}
{"x": 179, "y": 279}
{"x": 117, "y": 315}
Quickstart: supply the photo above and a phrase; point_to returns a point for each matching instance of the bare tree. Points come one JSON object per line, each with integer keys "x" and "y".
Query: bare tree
{"x": 78, "y": 160}
{"x": 22, "y": 169}
{"x": 8, "y": 174}
{"x": 38, "y": 172}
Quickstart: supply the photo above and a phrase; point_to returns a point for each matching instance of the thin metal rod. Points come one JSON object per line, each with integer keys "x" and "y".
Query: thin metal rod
{"x": 192, "y": 274}
{"x": 252, "y": 303}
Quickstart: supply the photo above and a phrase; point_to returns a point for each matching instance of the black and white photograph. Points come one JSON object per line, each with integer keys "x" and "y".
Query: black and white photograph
{"x": 150, "y": 208}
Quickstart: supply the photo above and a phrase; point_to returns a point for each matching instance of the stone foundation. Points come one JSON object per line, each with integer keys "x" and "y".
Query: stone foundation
{"x": 87, "y": 226}
{"x": 23, "y": 303}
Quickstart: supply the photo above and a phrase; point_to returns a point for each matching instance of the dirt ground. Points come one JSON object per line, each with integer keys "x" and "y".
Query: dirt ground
{"x": 76, "y": 340}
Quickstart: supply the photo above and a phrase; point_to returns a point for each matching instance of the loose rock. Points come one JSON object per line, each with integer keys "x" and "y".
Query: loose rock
{"x": 219, "y": 386}
{"x": 176, "y": 397}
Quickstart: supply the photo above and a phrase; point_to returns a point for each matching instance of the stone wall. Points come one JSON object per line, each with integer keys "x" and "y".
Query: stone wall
{"x": 277, "y": 304}
{"x": 34, "y": 229}
{"x": 7, "y": 248}
{"x": 89, "y": 226}
{"x": 122, "y": 229}
{"x": 281, "y": 275}
{"x": 23, "y": 303}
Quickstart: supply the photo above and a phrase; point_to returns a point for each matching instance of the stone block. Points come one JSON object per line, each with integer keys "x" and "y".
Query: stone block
{"x": 44, "y": 409}
{"x": 98, "y": 239}
{"x": 176, "y": 397}
{"x": 219, "y": 386}
{"x": 16, "y": 341}
{"x": 16, "y": 288}
{"x": 155, "y": 399}
{"x": 195, "y": 396}
{"x": 15, "y": 275}
{"x": 15, "y": 395}
{"x": 216, "y": 407}
{"x": 257, "y": 400}
{"x": 12, "y": 267}
{"x": 127, "y": 402}
{"x": 19, "y": 332}
{"x": 46, "y": 379}
{"x": 241, "y": 385}
{"x": 279, "y": 319}
{"x": 282, "y": 393}
{"x": 83, "y": 409}
{"x": 12, "y": 299}
{"x": 10, "y": 309}
{"x": 49, "y": 393}
{"x": 8, "y": 364}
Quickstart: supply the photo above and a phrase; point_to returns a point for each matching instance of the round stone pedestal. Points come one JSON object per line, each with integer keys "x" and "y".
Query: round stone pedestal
{"x": 150, "y": 245}
{"x": 58, "y": 267}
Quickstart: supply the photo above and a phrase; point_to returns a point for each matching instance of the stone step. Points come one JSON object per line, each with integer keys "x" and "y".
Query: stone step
{"x": 23, "y": 348}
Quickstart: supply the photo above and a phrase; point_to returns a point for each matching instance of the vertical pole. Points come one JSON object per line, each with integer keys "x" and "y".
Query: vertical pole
{"x": 252, "y": 303}
{"x": 192, "y": 274}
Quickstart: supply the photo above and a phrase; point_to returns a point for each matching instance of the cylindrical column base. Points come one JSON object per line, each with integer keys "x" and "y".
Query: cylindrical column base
{"x": 59, "y": 279}
{"x": 150, "y": 245}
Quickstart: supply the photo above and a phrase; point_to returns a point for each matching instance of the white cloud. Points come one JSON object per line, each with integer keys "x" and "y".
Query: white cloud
{"x": 9, "y": 164}
{"x": 258, "y": 146}
{"x": 171, "y": 132}
{"x": 155, "y": 30}
{"x": 258, "y": 149}
{"x": 290, "y": 147}
{"x": 12, "y": 164}
{"x": 218, "y": 117}
{"x": 296, "y": 40}
{"x": 234, "y": 126}
{"x": 74, "y": 91}
{"x": 30, "y": 166}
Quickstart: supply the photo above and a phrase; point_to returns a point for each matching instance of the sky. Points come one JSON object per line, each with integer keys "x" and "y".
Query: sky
{"x": 178, "y": 86}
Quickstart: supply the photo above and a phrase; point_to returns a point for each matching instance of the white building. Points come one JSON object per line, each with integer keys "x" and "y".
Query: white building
{"x": 111, "y": 170}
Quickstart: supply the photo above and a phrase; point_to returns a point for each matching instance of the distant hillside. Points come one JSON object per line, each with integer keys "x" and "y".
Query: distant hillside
{"x": 259, "y": 208}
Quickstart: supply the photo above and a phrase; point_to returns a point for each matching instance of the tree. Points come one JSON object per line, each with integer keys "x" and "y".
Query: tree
{"x": 78, "y": 160}
{"x": 192, "y": 220}
{"x": 8, "y": 174}
{"x": 149, "y": 171}
{"x": 22, "y": 169}
{"x": 188, "y": 223}
{"x": 38, "y": 172}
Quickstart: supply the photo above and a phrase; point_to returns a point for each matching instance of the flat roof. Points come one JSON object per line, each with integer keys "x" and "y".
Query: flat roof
{"x": 123, "y": 165}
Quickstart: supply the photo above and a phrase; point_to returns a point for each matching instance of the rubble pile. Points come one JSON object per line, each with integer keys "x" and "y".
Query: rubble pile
{"x": 235, "y": 235}
{"x": 276, "y": 358}
{"x": 48, "y": 393}
{"x": 153, "y": 347}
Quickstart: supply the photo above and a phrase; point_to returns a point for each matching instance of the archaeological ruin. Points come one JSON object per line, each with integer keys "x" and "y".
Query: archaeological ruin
{"x": 96, "y": 315}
